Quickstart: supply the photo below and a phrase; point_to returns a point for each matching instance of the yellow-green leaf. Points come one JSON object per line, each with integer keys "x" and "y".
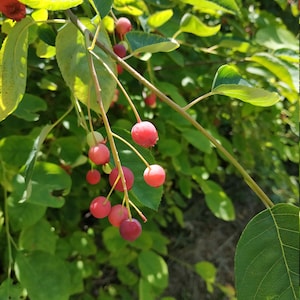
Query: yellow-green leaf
{"x": 159, "y": 18}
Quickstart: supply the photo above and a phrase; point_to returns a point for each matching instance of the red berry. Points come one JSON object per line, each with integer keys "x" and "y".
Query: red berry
{"x": 117, "y": 214}
{"x": 100, "y": 207}
{"x": 93, "y": 176}
{"x": 144, "y": 134}
{"x": 154, "y": 175}
{"x": 99, "y": 154}
{"x": 150, "y": 100}
{"x": 120, "y": 50}
{"x": 130, "y": 230}
{"x": 13, "y": 9}
{"x": 129, "y": 178}
{"x": 119, "y": 69}
{"x": 123, "y": 25}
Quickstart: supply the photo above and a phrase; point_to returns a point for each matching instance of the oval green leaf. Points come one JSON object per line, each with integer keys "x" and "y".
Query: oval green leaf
{"x": 52, "y": 4}
{"x": 159, "y": 18}
{"x": 267, "y": 255}
{"x": 13, "y": 67}
{"x": 73, "y": 63}
{"x": 230, "y": 83}
{"x": 140, "y": 42}
{"x": 191, "y": 24}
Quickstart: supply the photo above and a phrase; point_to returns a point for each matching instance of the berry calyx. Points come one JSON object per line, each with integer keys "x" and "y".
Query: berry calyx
{"x": 93, "y": 176}
{"x": 120, "y": 50}
{"x": 123, "y": 25}
{"x": 154, "y": 175}
{"x": 130, "y": 229}
{"x": 99, "y": 154}
{"x": 129, "y": 179}
{"x": 150, "y": 100}
{"x": 93, "y": 138}
{"x": 117, "y": 214}
{"x": 100, "y": 207}
{"x": 144, "y": 134}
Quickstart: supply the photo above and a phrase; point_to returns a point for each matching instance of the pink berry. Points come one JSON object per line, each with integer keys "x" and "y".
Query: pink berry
{"x": 150, "y": 100}
{"x": 120, "y": 50}
{"x": 144, "y": 134}
{"x": 99, "y": 154}
{"x": 123, "y": 25}
{"x": 154, "y": 175}
{"x": 93, "y": 176}
{"x": 130, "y": 230}
{"x": 129, "y": 178}
{"x": 100, "y": 207}
{"x": 117, "y": 214}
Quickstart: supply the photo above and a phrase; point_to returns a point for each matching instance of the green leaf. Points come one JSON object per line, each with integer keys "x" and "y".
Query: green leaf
{"x": 198, "y": 140}
{"x": 11, "y": 290}
{"x": 153, "y": 269}
{"x": 227, "y": 6}
{"x": 217, "y": 200}
{"x": 52, "y": 4}
{"x": 283, "y": 71}
{"x": 130, "y": 7}
{"x": 49, "y": 183}
{"x": 146, "y": 195}
{"x": 103, "y": 6}
{"x": 82, "y": 243}
{"x": 147, "y": 42}
{"x": 39, "y": 236}
{"x": 208, "y": 272}
{"x": 229, "y": 82}
{"x": 191, "y": 24}
{"x": 73, "y": 63}
{"x": 267, "y": 255}
{"x": 44, "y": 275}
{"x": 169, "y": 147}
{"x": 13, "y": 67}
{"x": 28, "y": 107}
{"x": 275, "y": 38}
{"x": 159, "y": 18}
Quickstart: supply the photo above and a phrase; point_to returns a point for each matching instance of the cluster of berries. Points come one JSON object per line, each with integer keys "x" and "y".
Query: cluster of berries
{"x": 144, "y": 134}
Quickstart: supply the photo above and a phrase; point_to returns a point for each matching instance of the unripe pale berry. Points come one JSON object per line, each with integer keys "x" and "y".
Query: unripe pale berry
{"x": 154, "y": 175}
{"x": 93, "y": 176}
{"x": 130, "y": 230}
{"x": 93, "y": 138}
{"x": 144, "y": 134}
{"x": 117, "y": 214}
{"x": 100, "y": 207}
{"x": 99, "y": 154}
{"x": 129, "y": 178}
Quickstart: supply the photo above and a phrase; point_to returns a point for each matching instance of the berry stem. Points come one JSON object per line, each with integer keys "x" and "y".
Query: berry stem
{"x": 248, "y": 179}
{"x": 192, "y": 103}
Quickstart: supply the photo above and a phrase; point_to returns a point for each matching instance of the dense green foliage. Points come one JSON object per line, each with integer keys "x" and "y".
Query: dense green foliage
{"x": 226, "y": 78}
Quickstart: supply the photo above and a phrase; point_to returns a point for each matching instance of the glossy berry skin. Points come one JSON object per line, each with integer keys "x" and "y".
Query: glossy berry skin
{"x": 130, "y": 230}
{"x": 155, "y": 175}
{"x": 100, "y": 207}
{"x": 144, "y": 134}
{"x": 99, "y": 154}
{"x": 150, "y": 100}
{"x": 93, "y": 176}
{"x": 13, "y": 9}
{"x": 129, "y": 178}
{"x": 123, "y": 25}
{"x": 120, "y": 50}
{"x": 117, "y": 214}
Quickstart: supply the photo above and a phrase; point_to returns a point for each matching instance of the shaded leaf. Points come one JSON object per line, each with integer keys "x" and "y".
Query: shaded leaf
{"x": 147, "y": 42}
{"x": 103, "y": 6}
{"x": 13, "y": 67}
{"x": 191, "y": 24}
{"x": 48, "y": 271}
{"x": 229, "y": 82}
{"x": 267, "y": 255}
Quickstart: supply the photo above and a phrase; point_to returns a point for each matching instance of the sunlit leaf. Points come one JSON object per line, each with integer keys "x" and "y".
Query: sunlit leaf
{"x": 267, "y": 255}
{"x": 230, "y": 83}
{"x": 146, "y": 42}
{"x": 191, "y": 24}
{"x": 52, "y": 4}
{"x": 13, "y": 67}
{"x": 73, "y": 63}
{"x": 131, "y": 7}
{"x": 159, "y": 18}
